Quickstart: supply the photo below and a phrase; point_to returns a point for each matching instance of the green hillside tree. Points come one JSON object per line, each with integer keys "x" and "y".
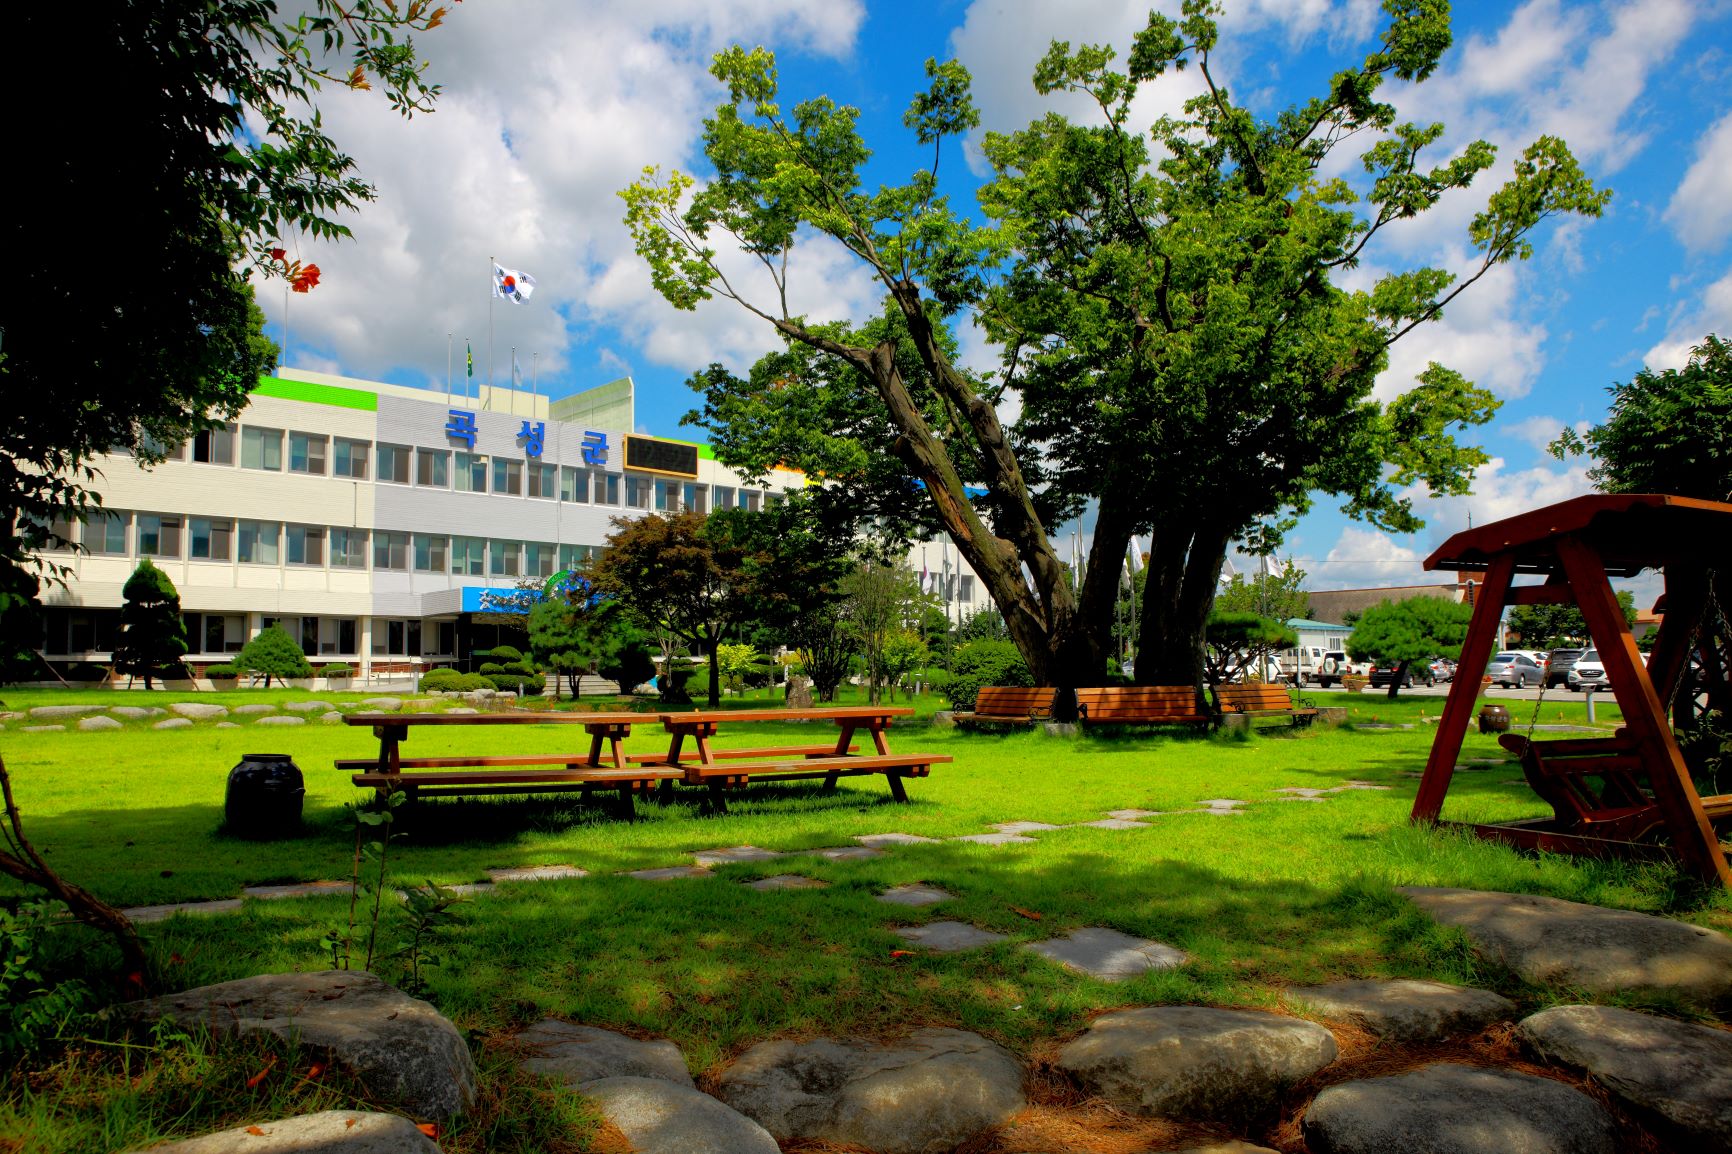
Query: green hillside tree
{"x": 1403, "y": 632}
{"x": 275, "y": 654}
{"x": 1167, "y": 302}
{"x": 152, "y": 635}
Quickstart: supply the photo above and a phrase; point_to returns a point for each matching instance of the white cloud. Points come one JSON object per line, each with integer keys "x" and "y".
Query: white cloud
{"x": 1701, "y": 209}
{"x": 1713, "y": 315}
{"x": 1365, "y": 558}
{"x": 1541, "y": 431}
{"x": 1500, "y": 492}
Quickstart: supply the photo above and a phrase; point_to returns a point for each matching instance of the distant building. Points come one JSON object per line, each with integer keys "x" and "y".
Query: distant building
{"x": 1336, "y": 604}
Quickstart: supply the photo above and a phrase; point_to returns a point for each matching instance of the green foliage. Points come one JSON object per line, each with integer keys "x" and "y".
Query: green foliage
{"x": 578, "y": 633}
{"x": 1551, "y": 626}
{"x": 737, "y": 662}
{"x": 20, "y": 624}
{"x": 1403, "y": 632}
{"x": 631, "y": 664}
{"x": 902, "y": 653}
{"x": 505, "y": 653}
{"x": 981, "y": 663}
{"x": 35, "y": 1007}
{"x": 448, "y": 680}
{"x": 223, "y": 672}
{"x": 275, "y": 654}
{"x": 983, "y": 625}
{"x": 152, "y": 635}
{"x": 1236, "y": 642}
{"x": 337, "y": 669}
{"x": 1668, "y": 432}
{"x": 1278, "y": 595}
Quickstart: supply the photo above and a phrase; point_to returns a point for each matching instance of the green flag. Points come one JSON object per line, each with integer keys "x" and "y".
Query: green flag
{"x": 468, "y": 359}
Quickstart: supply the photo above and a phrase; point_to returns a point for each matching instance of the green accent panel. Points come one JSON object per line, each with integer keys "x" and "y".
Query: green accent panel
{"x": 313, "y": 394}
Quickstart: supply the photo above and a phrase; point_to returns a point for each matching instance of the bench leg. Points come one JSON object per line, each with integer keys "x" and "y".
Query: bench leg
{"x": 665, "y": 792}
{"x": 830, "y": 780}
{"x": 623, "y": 807}
{"x": 896, "y": 790}
{"x": 718, "y": 802}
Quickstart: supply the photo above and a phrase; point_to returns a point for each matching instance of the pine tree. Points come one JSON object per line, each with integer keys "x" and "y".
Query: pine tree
{"x": 275, "y": 654}
{"x": 152, "y": 635}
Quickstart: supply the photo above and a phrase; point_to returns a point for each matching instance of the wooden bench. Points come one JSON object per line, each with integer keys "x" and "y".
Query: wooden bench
{"x": 1141, "y": 705}
{"x": 1009, "y": 705}
{"x": 894, "y": 767}
{"x": 1593, "y": 785}
{"x": 1258, "y": 700}
{"x": 415, "y": 784}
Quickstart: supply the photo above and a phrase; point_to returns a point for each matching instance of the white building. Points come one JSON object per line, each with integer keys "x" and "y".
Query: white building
{"x": 371, "y": 520}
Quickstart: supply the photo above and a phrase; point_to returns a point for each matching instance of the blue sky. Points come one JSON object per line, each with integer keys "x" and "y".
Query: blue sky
{"x": 549, "y": 108}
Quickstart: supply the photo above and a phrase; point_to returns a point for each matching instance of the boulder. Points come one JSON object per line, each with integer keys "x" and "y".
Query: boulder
{"x": 1195, "y": 1062}
{"x": 347, "y": 1131}
{"x": 47, "y": 728}
{"x": 332, "y": 718}
{"x": 661, "y": 1117}
{"x": 401, "y": 1048}
{"x": 198, "y": 710}
{"x": 1405, "y": 1010}
{"x": 227, "y": 725}
{"x": 281, "y": 720}
{"x": 799, "y": 693}
{"x": 930, "y": 1092}
{"x": 173, "y": 723}
{"x": 1675, "y": 1073}
{"x": 1449, "y": 1109}
{"x": 255, "y": 707}
{"x": 579, "y": 1054}
{"x": 64, "y": 710}
{"x": 133, "y": 712}
{"x": 98, "y": 723}
{"x": 1549, "y": 941}
{"x": 312, "y": 706}
{"x": 382, "y": 704}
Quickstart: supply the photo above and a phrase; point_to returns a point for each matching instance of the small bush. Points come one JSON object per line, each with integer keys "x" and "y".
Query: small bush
{"x": 336, "y": 669}
{"x": 981, "y": 663}
{"x": 223, "y": 672}
{"x": 447, "y": 680}
{"x": 506, "y": 654}
{"x": 515, "y": 677}
{"x": 489, "y": 668}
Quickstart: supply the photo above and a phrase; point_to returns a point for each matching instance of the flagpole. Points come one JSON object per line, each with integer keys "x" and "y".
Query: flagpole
{"x": 492, "y": 263}
{"x": 448, "y": 337}
{"x": 534, "y": 371}
{"x": 285, "y": 360}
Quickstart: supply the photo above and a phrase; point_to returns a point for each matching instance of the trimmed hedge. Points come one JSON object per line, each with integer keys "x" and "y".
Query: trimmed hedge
{"x": 451, "y": 681}
{"x": 981, "y": 663}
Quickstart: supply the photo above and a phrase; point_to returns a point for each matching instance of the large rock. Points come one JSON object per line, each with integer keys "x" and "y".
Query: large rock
{"x": 334, "y": 1131}
{"x": 1195, "y": 1062}
{"x": 403, "y": 1049}
{"x": 307, "y": 706}
{"x": 1406, "y": 1010}
{"x": 64, "y": 710}
{"x": 134, "y": 712}
{"x": 661, "y": 1117}
{"x": 1676, "y": 1073}
{"x": 382, "y": 704}
{"x": 1448, "y": 1109}
{"x": 98, "y": 723}
{"x": 932, "y": 1091}
{"x": 174, "y": 723}
{"x": 256, "y": 707}
{"x": 198, "y": 710}
{"x": 1549, "y": 941}
{"x": 281, "y": 720}
{"x": 579, "y": 1054}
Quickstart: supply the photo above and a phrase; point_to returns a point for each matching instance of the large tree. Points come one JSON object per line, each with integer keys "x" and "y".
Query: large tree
{"x": 1416, "y": 629}
{"x": 152, "y": 635}
{"x": 1168, "y": 304}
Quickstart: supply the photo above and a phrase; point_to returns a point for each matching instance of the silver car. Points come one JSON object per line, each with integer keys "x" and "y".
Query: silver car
{"x": 1517, "y": 669}
{"x": 1589, "y": 672}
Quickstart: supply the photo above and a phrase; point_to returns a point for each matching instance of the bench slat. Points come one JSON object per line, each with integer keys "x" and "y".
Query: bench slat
{"x": 916, "y": 763}
{"x": 735, "y": 754}
{"x": 571, "y": 760}
{"x": 599, "y": 780}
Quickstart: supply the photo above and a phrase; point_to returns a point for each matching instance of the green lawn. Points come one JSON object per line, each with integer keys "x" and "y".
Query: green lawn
{"x": 1286, "y": 893}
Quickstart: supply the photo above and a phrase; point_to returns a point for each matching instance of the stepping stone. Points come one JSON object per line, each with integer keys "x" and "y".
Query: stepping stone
{"x": 463, "y": 709}
{"x": 738, "y": 853}
{"x": 163, "y": 912}
{"x": 1549, "y": 941}
{"x": 1677, "y": 1073}
{"x": 332, "y": 718}
{"x": 1300, "y": 792}
{"x": 541, "y": 873}
{"x": 1405, "y": 1010}
{"x": 52, "y": 728}
{"x": 846, "y": 852}
{"x": 914, "y": 894}
{"x": 351, "y": 1131}
{"x": 669, "y": 873}
{"x": 198, "y": 710}
{"x": 307, "y": 706}
{"x": 1025, "y": 826}
{"x": 281, "y": 721}
{"x": 1116, "y": 823}
{"x": 173, "y": 723}
{"x": 949, "y": 937}
{"x": 1192, "y": 1062}
{"x": 932, "y": 1091}
{"x": 133, "y": 712}
{"x": 659, "y": 1117}
{"x": 1358, "y": 785}
{"x": 382, "y": 704}
{"x": 259, "y": 707}
{"x": 787, "y": 882}
{"x": 1224, "y": 804}
{"x": 1449, "y": 1109}
{"x": 1301, "y": 799}
{"x": 1108, "y": 954}
{"x": 579, "y": 1054}
{"x": 1133, "y": 814}
{"x": 400, "y": 1048}
{"x": 98, "y": 723}
{"x": 296, "y": 890}
{"x": 883, "y": 839}
{"x": 64, "y": 710}
{"x": 225, "y": 725}
{"x": 995, "y": 839}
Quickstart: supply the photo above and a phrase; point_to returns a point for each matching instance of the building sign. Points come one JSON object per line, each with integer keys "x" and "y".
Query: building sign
{"x": 675, "y": 458}
{"x": 594, "y": 447}
{"x": 533, "y": 436}
{"x": 461, "y": 427}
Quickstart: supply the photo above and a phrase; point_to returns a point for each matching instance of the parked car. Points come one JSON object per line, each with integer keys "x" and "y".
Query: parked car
{"x": 1418, "y": 673}
{"x": 1513, "y": 668}
{"x": 1558, "y": 663}
{"x": 1587, "y": 672}
{"x": 1442, "y": 669}
{"x": 1335, "y": 666}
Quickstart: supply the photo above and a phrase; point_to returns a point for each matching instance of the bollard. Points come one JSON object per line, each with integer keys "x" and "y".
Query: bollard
{"x": 1588, "y": 693}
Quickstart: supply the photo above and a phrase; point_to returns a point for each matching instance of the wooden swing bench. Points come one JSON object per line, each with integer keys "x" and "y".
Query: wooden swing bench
{"x": 1593, "y": 785}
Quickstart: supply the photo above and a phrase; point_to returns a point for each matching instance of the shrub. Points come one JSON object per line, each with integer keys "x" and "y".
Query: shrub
{"x": 518, "y": 676}
{"x": 336, "y": 669}
{"x": 505, "y": 654}
{"x": 981, "y": 663}
{"x": 275, "y": 654}
{"x": 447, "y": 680}
{"x": 224, "y": 672}
{"x": 488, "y": 668}
{"x": 87, "y": 671}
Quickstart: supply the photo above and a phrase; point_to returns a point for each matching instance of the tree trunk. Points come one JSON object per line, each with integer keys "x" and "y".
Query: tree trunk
{"x": 1401, "y": 675}
{"x": 1178, "y": 592}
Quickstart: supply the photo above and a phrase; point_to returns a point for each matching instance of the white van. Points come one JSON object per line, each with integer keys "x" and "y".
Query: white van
{"x": 1304, "y": 665}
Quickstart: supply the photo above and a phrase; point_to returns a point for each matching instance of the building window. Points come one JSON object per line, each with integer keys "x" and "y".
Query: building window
{"x": 215, "y": 446}
{"x": 336, "y": 635}
{"x": 543, "y": 480}
{"x": 62, "y": 533}
{"x": 575, "y": 556}
{"x": 158, "y": 535}
{"x": 73, "y": 631}
{"x": 306, "y": 545}
{"x": 220, "y": 633}
{"x": 151, "y": 445}
{"x": 430, "y": 551}
{"x": 667, "y": 496}
{"x": 105, "y": 533}
{"x": 394, "y": 463}
{"x": 433, "y": 467}
{"x": 212, "y": 538}
{"x": 504, "y": 558}
{"x": 539, "y": 559}
{"x": 724, "y": 497}
{"x": 471, "y": 473}
{"x": 637, "y": 491}
{"x": 607, "y": 488}
{"x": 390, "y": 550}
{"x": 257, "y": 542}
{"x": 574, "y": 485}
{"x": 507, "y": 476}
{"x": 447, "y": 638}
{"x": 965, "y": 591}
{"x": 695, "y": 498}
{"x": 749, "y": 500}
{"x": 261, "y": 448}
{"x": 396, "y": 638}
{"x": 349, "y": 459}
{"x": 348, "y": 548}
{"x": 307, "y": 453}
{"x": 468, "y": 556}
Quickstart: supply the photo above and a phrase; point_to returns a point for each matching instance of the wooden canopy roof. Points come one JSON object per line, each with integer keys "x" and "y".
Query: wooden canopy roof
{"x": 1628, "y": 531}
